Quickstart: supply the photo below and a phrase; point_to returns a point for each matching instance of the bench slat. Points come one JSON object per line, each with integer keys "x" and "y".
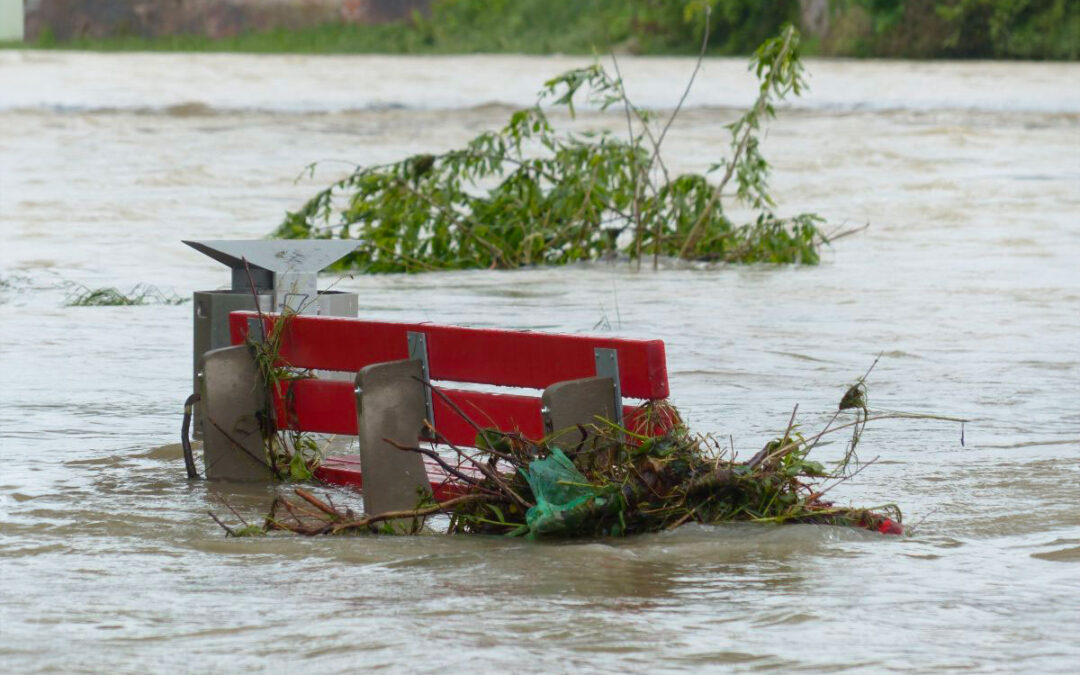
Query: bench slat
{"x": 485, "y": 356}
{"x": 329, "y": 407}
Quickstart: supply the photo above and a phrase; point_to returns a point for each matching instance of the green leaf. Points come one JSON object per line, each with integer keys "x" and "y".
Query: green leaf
{"x": 298, "y": 469}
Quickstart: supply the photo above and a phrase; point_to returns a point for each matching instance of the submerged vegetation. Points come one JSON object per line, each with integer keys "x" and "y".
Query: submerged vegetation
{"x": 142, "y": 294}
{"x": 534, "y": 194}
{"x": 78, "y": 295}
{"x": 12, "y": 285}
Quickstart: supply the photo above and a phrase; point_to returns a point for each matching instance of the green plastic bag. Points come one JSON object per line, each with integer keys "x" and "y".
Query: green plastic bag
{"x": 559, "y": 488}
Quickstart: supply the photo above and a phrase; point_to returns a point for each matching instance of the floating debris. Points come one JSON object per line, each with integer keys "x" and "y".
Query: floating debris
{"x": 608, "y": 481}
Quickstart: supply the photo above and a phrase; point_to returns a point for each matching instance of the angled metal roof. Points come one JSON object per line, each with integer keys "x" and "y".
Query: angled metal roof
{"x": 276, "y": 255}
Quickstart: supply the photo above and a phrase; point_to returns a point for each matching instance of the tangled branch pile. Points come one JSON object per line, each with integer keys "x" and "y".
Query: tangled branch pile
{"x": 609, "y": 481}
{"x": 532, "y": 194}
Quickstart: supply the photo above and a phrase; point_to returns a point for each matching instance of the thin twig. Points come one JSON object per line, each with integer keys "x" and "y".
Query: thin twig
{"x": 847, "y": 477}
{"x": 413, "y": 513}
{"x": 811, "y": 446}
{"x": 689, "y": 85}
{"x": 791, "y": 422}
{"x": 636, "y": 208}
{"x": 234, "y": 511}
{"x": 765, "y": 453}
{"x": 862, "y": 380}
{"x": 909, "y": 529}
{"x": 254, "y": 295}
{"x": 843, "y": 233}
{"x": 441, "y": 462}
{"x": 228, "y": 530}
{"x": 316, "y": 502}
{"x": 487, "y": 470}
{"x": 740, "y": 148}
{"x": 457, "y": 409}
{"x": 785, "y": 449}
{"x": 685, "y": 517}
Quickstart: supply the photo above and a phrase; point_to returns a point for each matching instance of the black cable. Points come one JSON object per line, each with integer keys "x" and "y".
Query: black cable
{"x": 189, "y": 460}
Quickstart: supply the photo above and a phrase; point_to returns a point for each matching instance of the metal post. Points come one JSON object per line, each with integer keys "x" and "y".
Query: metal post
{"x": 418, "y": 351}
{"x": 607, "y": 365}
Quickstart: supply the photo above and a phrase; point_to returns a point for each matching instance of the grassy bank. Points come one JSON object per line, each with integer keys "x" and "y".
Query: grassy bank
{"x": 1028, "y": 29}
{"x": 999, "y": 29}
{"x": 496, "y": 26}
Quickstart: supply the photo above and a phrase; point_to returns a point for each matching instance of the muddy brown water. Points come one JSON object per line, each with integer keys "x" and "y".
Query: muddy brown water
{"x": 967, "y": 281}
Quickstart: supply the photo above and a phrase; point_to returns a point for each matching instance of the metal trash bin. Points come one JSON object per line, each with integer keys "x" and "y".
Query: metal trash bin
{"x": 282, "y": 273}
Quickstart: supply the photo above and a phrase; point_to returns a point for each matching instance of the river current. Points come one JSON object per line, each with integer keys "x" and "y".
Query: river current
{"x": 966, "y": 282}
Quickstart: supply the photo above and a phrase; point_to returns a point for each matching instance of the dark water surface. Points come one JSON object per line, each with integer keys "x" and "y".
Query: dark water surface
{"x": 969, "y": 175}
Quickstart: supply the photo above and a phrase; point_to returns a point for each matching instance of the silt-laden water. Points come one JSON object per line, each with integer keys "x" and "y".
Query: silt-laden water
{"x": 966, "y": 281}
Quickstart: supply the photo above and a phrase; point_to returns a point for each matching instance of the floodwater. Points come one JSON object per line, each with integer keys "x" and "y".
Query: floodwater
{"x": 966, "y": 282}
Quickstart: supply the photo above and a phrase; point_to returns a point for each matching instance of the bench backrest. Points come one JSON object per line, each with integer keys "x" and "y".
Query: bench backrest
{"x": 455, "y": 354}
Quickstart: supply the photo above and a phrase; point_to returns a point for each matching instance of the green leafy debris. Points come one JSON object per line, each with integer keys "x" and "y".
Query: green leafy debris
{"x": 533, "y": 194}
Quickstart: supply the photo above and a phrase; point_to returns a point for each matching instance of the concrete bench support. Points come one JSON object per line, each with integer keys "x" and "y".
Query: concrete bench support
{"x": 391, "y": 404}
{"x": 232, "y": 393}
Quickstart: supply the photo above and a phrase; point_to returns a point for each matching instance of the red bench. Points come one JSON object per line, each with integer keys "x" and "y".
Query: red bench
{"x": 450, "y": 354}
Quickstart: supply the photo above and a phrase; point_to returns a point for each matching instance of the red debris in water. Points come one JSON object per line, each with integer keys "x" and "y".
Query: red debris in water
{"x": 890, "y": 526}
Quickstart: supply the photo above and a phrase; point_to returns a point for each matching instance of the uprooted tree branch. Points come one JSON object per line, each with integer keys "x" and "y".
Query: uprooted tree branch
{"x": 531, "y": 193}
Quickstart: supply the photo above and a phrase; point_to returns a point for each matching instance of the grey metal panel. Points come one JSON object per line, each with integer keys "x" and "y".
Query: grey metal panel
{"x": 212, "y": 309}
{"x": 338, "y": 303}
{"x": 232, "y": 393}
{"x": 297, "y": 291}
{"x": 211, "y": 324}
{"x": 607, "y": 365}
{"x": 390, "y": 404}
{"x": 568, "y": 404}
{"x": 244, "y": 278}
{"x": 418, "y": 350}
